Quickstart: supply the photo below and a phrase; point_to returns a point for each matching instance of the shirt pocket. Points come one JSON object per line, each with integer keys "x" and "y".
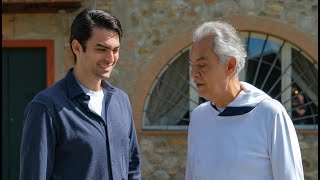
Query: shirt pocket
{"x": 125, "y": 156}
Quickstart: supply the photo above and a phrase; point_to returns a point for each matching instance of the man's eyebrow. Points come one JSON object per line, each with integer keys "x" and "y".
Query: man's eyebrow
{"x": 107, "y": 47}
{"x": 201, "y": 58}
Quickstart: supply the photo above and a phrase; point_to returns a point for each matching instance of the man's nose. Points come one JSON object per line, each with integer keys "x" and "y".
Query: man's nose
{"x": 194, "y": 72}
{"x": 109, "y": 58}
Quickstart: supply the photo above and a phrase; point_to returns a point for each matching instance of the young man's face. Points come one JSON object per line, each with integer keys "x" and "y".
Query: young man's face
{"x": 102, "y": 54}
{"x": 208, "y": 74}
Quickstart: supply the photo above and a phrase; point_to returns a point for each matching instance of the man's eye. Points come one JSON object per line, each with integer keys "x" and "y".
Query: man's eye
{"x": 101, "y": 50}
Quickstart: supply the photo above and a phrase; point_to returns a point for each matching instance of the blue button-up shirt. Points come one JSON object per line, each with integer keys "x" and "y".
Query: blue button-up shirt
{"x": 63, "y": 139}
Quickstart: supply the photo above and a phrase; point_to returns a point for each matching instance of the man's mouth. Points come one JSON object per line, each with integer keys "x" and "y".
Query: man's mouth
{"x": 104, "y": 66}
{"x": 199, "y": 84}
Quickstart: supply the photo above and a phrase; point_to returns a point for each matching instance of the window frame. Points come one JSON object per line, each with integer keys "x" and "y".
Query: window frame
{"x": 286, "y": 53}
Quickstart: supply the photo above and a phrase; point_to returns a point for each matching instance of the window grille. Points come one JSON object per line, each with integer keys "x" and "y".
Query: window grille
{"x": 274, "y": 65}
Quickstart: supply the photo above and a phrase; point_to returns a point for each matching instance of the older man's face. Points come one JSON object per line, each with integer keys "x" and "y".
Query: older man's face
{"x": 209, "y": 75}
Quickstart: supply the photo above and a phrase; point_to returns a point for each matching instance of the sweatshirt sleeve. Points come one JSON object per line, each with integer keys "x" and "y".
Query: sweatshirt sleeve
{"x": 284, "y": 149}
{"x": 37, "y": 144}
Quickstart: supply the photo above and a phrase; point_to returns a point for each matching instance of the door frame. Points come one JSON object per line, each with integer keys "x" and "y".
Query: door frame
{"x": 50, "y": 71}
{"x": 48, "y": 44}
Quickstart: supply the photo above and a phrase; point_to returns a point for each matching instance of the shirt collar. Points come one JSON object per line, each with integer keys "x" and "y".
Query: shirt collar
{"x": 74, "y": 89}
{"x": 234, "y": 111}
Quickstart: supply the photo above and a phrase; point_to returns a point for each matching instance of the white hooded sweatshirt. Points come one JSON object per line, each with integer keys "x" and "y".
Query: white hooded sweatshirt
{"x": 253, "y": 138}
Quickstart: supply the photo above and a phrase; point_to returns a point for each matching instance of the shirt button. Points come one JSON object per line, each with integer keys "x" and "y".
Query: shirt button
{"x": 112, "y": 163}
{"x": 86, "y": 97}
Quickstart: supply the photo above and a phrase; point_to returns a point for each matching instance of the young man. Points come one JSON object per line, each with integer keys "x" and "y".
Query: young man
{"x": 241, "y": 132}
{"x": 82, "y": 127}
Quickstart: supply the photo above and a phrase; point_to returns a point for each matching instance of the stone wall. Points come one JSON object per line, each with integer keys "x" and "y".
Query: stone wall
{"x": 309, "y": 150}
{"x": 164, "y": 156}
{"x": 148, "y": 25}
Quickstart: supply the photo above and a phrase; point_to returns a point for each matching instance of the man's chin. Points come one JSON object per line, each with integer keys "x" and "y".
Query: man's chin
{"x": 202, "y": 93}
{"x": 105, "y": 76}
{"x": 201, "y": 90}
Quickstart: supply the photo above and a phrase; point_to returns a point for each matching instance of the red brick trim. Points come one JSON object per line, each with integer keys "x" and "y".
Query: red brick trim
{"x": 161, "y": 133}
{"x": 307, "y": 132}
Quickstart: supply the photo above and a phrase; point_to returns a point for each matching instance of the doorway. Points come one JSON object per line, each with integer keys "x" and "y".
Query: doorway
{"x": 24, "y": 74}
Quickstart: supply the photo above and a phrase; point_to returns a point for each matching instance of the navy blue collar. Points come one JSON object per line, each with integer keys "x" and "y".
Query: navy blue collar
{"x": 74, "y": 88}
{"x": 234, "y": 111}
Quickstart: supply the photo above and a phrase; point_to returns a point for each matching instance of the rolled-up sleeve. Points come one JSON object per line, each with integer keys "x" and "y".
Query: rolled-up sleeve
{"x": 38, "y": 143}
{"x": 285, "y": 151}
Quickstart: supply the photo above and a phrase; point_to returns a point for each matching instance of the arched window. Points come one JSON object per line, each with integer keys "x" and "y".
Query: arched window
{"x": 172, "y": 96}
{"x": 285, "y": 73}
{"x": 274, "y": 65}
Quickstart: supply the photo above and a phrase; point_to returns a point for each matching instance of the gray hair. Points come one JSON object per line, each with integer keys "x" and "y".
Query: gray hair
{"x": 226, "y": 42}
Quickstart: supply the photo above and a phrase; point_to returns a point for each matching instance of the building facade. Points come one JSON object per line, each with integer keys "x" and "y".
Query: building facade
{"x": 281, "y": 37}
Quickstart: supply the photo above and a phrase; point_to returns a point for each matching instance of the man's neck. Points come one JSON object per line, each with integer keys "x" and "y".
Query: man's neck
{"x": 231, "y": 91}
{"x": 86, "y": 80}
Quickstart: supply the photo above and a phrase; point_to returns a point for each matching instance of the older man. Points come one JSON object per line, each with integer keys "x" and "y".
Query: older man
{"x": 241, "y": 132}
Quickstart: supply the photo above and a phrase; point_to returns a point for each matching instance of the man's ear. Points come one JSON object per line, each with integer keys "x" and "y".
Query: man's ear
{"x": 76, "y": 47}
{"x": 231, "y": 66}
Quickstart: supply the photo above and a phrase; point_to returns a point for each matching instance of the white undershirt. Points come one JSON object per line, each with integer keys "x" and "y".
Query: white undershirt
{"x": 96, "y": 103}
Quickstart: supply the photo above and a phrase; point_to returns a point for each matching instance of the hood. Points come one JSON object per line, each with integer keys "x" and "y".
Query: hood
{"x": 245, "y": 102}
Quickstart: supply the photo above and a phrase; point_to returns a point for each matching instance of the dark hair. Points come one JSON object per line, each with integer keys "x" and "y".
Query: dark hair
{"x": 81, "y": 28}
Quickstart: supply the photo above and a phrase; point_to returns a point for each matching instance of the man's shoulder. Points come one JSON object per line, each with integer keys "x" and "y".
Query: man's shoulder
{"x": 273, "y": 106}
{"x": 49, "y": 94}
{"x": 119, "y": 92}
{"x": 202, "y": 107}
{"x": 115, "y": 90}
